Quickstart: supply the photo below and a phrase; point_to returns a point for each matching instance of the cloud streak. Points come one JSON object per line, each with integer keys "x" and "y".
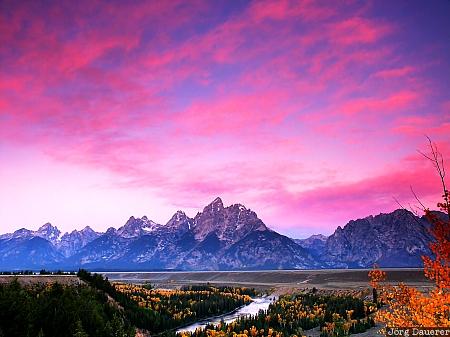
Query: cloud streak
{"x": 270, "y": 103}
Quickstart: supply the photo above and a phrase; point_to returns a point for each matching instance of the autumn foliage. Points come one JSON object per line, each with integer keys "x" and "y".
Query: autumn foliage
{"x": 293, "y": 314}
{"x": 407, "y": 306}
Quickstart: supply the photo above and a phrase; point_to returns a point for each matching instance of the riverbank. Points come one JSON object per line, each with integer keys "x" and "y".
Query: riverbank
{"x": 258, "y": 303}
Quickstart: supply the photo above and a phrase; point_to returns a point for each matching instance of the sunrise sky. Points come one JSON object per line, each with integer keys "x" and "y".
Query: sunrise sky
{"x": 309, "y": 113}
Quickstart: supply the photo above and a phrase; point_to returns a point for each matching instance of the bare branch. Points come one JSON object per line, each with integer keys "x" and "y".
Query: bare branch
{"x": 417, "y": 215}
{"x": 417, "y": 198}
{"x": 437, "y": 159}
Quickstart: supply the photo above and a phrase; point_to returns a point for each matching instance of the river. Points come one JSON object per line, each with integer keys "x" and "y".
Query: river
{"x": 258, "y": 303}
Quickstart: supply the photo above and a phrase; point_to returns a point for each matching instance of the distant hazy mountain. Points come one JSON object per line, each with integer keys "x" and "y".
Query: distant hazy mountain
{"x": 47, "y": 232}
{"x": 27, "y": 252}
{"x": 46, "y": 246}
{"x": 315, "y": 243}
{"x": 219, "y": 238}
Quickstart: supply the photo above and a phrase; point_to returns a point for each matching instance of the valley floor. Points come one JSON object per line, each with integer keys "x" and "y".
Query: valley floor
{"x": 283, "y": 281}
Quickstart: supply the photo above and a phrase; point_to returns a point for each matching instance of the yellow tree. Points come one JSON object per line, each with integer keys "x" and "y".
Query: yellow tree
{"x": 407, "y": 306}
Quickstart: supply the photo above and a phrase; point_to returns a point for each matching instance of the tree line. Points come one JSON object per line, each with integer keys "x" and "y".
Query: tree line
{"x": 55, "y": 310}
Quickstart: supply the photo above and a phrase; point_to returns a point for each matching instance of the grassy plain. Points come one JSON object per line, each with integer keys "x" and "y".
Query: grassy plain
{"x": 280, "y": 280}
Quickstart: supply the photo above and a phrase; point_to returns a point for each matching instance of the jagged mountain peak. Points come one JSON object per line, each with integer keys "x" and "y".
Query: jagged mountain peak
{"x": 399, "y": 219}
{"x": 217, "y": 200}
{"x": 221, "y": 237}
{"x": 180, "y": 221}
{"x": 398, "y": 213}
{"x": 87, "y": 229}
{"x": 227, "y": 223}
{"x": 48, "y": 232}
{"x": 135, "y": 227}
{"x": 48, "y": 228}
{"x": 111, "y": 231}
{"x": 396, "y": 239}
{"x": 72, "y": 242}
{"x": 215, "y": 206}
{"x": 239, "y": 207}
{"x": 130, "y": 220}
{"x": 177, "y": 217}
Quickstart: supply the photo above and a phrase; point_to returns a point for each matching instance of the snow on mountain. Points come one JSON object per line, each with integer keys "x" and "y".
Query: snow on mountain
{"x": 180, "y": 220}
{"x": 49, "y": 232}
{"x": 136, "y": 227}
{"x": 219, "y": 238}
{"x": 228, "y": 224}
{"x": 72, "y": 242}
{"x": 20, "y": 233}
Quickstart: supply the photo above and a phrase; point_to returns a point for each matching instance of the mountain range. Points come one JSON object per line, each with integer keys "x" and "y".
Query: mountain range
{"x": 219, "y": 238}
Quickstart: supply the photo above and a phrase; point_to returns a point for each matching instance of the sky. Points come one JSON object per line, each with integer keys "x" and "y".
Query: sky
{"x": 310, "y": 113}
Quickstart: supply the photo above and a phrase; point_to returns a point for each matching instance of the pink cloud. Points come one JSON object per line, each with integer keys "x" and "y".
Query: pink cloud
{"x": 394, "y": 102}
{"x": 281, "y": 10}
{"x": 395, "y": 72}
{"x": 327, "y": 207}
{"x": 273, "y": 104}
{"x": 249, "y": 112}
{"x": 358, "y": 30}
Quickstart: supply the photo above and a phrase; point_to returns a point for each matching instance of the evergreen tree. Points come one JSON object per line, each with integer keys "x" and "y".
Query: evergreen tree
{"x": 79, "y": 331}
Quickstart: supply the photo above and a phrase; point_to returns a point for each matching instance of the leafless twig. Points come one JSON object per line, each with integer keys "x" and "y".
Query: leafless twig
{"x": 410, "y": 210}
{"x": 437, "y": 160}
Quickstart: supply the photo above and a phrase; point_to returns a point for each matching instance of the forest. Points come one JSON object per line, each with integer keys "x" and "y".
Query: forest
{"x": 97, "y": 307}
{"x": 178, "y": 307}
{"x": 56, "y": 310}
{"x": 291, "y": 315}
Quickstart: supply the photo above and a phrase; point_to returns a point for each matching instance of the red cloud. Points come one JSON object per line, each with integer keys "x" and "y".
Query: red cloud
{"x": 394, "y": 102}
{"x": 358, "y": 30}
{"x": 327, "y": 207}
{"x": 395, "y": 72}
{"x": 189, "y": 101}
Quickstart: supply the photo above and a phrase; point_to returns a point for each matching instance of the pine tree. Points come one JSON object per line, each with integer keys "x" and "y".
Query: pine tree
{"x": 79, "y": 331}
